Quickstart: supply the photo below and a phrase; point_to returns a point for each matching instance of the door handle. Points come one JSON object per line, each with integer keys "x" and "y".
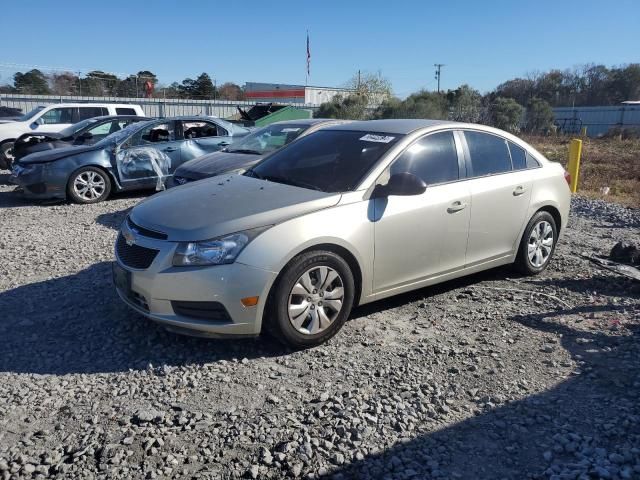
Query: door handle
{"x": 519, "y": 191}
{"x": 224, "y": 144}
{"x": 456, "y": 207}
{"x": 169, "y": 149}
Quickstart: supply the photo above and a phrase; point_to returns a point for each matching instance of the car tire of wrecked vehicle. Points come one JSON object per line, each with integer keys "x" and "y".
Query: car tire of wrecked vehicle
{"x": 311, "y": 300}
{"x": 6, "y": 155}
{"x": 88, "y": 185}
{"x": 537, "y": 245}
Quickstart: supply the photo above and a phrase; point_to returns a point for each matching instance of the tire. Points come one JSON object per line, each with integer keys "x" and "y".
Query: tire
{"x": 89, "y": 185}
{"x": 537, "y": 244}
{"x": 6, "y": 157}
{"x": 296, "y": 299}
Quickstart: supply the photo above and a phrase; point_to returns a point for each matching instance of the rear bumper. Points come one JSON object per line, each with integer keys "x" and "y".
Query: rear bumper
{"x": 161, "y": 292}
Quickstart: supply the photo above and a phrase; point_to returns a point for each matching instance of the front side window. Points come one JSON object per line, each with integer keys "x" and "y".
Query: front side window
{"x": 327, "y": 160}
{"x": 57, "y": 116}
{"x": 489, "y": 154}
{"x": 156, "y": 133}
{"x": 268, "y": 139}
{"x": 201, "y": 130}
{"x": 91, "y": 112}
{"x": 433, "y": 158}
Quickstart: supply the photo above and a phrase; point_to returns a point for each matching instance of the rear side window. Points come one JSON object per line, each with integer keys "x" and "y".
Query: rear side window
{"x": 433, "y": 158}
{"x": 489, "y": 154}
{"x": 125, "y": 111}
{"x": 532, "y": 162}
{"x": 518, "y": 157}
{"x": 90, "y": 112}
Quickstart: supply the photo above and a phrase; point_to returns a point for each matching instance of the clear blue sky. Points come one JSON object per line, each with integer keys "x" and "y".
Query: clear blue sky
{"x": 482, "y": 43}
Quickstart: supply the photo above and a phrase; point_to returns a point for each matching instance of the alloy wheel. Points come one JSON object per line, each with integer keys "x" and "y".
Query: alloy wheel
{"x": 540, "y": 243}
{"x": 89, "y": 185}
{"x": 316, "y": 300}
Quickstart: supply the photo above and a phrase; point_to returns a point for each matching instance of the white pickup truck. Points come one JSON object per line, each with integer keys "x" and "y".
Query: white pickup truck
{"x": 54, "y": 118}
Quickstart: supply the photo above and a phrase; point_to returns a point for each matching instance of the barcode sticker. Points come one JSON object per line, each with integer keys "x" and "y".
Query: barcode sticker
{"x": 377, "y": 138}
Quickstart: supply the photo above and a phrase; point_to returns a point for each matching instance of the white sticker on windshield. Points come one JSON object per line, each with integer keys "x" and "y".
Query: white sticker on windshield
{"x": 290, "y": 129}
{"x": 377, "y": 138}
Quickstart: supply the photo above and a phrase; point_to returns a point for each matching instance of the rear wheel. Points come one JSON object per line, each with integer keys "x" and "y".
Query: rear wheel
{"x": 312, "y": 300}
{"x": 89, "y": 185}
{"x": 537, "y": 245}
{"x": 6, "y": 155}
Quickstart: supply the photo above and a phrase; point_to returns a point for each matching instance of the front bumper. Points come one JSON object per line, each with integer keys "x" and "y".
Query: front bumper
{"x": 38, "y": 181}
{"x": 154, "y": 292}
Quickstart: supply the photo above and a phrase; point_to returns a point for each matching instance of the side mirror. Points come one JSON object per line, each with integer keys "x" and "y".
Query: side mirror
{"x": 34, "y": 125}
{"x": 86, "y": 136}
{"x": 401, "y": 184}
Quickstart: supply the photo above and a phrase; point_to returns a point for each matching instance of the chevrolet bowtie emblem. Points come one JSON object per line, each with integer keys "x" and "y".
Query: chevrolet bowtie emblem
{"x": 129, "y": 237}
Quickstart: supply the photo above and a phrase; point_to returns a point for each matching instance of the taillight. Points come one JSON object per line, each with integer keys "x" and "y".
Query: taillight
{"x": 567, "y": 177}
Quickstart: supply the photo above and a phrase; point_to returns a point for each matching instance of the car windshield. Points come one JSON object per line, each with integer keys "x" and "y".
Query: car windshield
{"x": 76, "y": 127}
{"x": 28, "y": 116}
{"x": 121, "y": 135}
{"x": 268, "y": 139}
{"x": 327, "y": 160}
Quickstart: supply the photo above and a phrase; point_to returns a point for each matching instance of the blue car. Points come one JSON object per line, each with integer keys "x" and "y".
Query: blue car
{"x": 141, "y": 156}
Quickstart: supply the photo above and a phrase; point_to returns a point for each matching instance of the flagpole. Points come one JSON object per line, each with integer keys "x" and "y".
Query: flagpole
{"x": 306, "y": 82}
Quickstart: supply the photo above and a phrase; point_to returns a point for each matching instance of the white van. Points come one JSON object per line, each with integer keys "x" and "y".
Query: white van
{"x": 54, "y": 118}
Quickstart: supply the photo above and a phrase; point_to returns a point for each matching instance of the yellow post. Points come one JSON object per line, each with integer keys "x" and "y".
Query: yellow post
{"x": 575, "y": 151}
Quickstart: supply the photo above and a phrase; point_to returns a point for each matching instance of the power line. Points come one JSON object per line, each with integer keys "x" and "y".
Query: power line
{"x": 438, "y": 67}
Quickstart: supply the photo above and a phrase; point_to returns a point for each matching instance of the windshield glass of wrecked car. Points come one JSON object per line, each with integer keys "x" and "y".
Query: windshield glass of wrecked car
{"x": 76, "y": 127}
{"x": 268, "y": 139}
{"x": 28, "y": 116}
{"x": 328, "y": 160}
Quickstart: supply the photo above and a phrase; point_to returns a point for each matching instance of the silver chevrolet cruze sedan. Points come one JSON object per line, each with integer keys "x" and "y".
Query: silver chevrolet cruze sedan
{"x": 342, "y": 217}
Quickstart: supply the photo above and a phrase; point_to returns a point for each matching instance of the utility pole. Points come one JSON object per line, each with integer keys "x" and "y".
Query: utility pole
{"x": 438, "y": 67}
{"x": 358, "y": 81}
{"x": 79, "y": 85}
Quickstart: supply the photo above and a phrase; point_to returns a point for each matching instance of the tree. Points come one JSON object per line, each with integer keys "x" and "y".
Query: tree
{"x": 539, "y": 116}
{"x": 65, "y": 83}
{"x": 99, "y": 84}
{"x": 203, "y": 87}
{"x": 506, "y": 114}
{"x": 33, "y": 82}
{"x": 351, "y": 107}
{"x": 422, "y": 104}
{"x": 372, "y": 86}
{"x": 230, "y": 91}
{"x": 465, "y": 104}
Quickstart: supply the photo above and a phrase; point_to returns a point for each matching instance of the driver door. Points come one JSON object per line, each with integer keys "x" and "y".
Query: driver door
{"x": 149, "y": 156}
{"x": 54, "y": 120}
{"x": 423, "y": 236}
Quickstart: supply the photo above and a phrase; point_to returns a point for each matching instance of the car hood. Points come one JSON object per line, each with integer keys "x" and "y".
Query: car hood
{"x": 226, "y": 204}
{"x": 216, "y": 163}
{"x": 57, "y": 154}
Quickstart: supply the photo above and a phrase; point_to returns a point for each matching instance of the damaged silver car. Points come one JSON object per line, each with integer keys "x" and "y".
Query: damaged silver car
{"x": 141, "y": 156}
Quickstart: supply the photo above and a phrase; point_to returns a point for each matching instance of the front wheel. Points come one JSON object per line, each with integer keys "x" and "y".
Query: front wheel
{"x": 89, "y": 185}
{"x": 6, "y": 155}
{"x": 537, "y": 245}
{"x": 312, "y": 299}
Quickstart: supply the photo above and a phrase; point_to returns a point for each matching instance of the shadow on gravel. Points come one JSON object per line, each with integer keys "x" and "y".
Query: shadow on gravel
{"x": 113, "y": 219}
{"x": 4, "y": 179}
{"x": 588, "y": 418}
{"x": 76, "y": 324}
{"x": 603, "y": 285}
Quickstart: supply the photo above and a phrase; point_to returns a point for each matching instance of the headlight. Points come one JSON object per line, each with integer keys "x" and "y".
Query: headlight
{"x": 217, "y": 251}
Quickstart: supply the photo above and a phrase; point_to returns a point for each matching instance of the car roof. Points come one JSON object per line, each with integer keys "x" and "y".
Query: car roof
{"x": 305, "y": 121}
{"x": 117, "y": 117}
{"x": 398, "y": 126}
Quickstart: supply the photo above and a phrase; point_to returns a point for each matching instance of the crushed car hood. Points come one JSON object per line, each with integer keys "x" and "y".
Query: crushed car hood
{"x": 226, "y": 204}
{"x": 216, "y": 163}
{"x": 57, "y": 154}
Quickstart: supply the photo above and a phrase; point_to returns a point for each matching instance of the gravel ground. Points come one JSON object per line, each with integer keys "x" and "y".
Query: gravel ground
{"x": 490, "y": 377}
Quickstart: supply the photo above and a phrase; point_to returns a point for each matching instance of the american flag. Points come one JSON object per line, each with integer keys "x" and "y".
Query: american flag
{"x": 308, "y": 55}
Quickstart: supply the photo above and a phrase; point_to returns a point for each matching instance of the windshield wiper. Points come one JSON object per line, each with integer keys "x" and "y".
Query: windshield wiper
{"x": 293, "y": 182}
{"x": 252, "y": 173}
{"x": 244, "y": 150}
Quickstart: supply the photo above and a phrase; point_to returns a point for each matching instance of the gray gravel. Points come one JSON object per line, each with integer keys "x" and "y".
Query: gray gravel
{"x": 477, "y": 378}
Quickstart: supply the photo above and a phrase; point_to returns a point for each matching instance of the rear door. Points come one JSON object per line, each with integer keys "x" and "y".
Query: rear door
{"x": 150, "y": 155}
{"x": 419, "y": 237}
{"x": 201, "y": 137}
{"x": 500, "y": 197}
